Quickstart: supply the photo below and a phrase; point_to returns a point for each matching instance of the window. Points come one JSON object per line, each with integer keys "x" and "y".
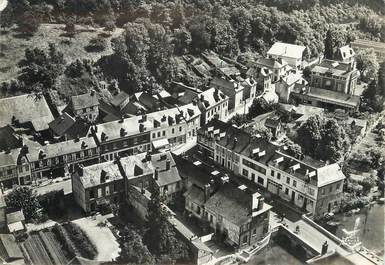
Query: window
{"x": 107, "y": 190}
{"x": 173, "y": 130}
{"x": 323, "y": 191}
{"x": 310, "y": 191}
{"x": 9, "y": 172}
{"x": 272, "y": 173}
{"x": 180, "y": 128}
{"x": 244, "y": 240}
{"x": 254, "y": 231}
{"x": 287, "y": 180}
{"x": 100, "y": 193}
{"x": 153, "y": 135}
{"x": 330, "y": 188}
{"x": 245, "y": 172}
{"x": 92, "y": 194}
{"x": 252, "y": 165}
{"x": 260, "y": 180}
{"x": 26, "y": 167}
{"x": 287, "y": 191}
{"x": 158, "y": 134}
{"x": 78, "y": 155}
{"x": 85, "y": 152}
{"x": 278, "y": 175}
{"x": 338, "y": 186}
{"x": 164, "y": 133}
{"x": 294, "y": 183}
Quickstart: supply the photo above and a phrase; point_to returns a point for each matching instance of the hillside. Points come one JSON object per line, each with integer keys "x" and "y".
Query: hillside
{"x": 12, "y": 47}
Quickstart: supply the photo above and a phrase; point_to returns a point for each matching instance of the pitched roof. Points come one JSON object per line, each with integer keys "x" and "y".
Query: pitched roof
{"x": 26, "y": 108}
{"x": 287, "y": 50}
{"x": 9, "y": 139}
{"x": 271, "y": 63}
{"x": 329, "y": 174}
{"x": 9, "y": 249}
{"x": 61, "y": 124}
{"x": 84, "y": 101}
{"x": 15, "y": 217}
{"x": 60, "y": 148}
{"x": 92, "y": 174}
{"x": 232, "y": 203}
{"x": 332, "y": 67}
{"x": 327, "y": 95}
{"x": 119, "y": 98}
{"x": 195, "y": 195}
{"x": 165, "y": 177}
{"x": 211, "y": 97}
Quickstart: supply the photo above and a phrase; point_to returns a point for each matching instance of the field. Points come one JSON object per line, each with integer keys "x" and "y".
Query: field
{"x": 43, "y": 248}
{"x": 13, "y": 45}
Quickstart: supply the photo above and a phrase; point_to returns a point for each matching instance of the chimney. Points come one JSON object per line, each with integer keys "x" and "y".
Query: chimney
{"x": 202, "y": 98}
{"x": 148, "y": 157}
{"x": 103, "y": 176}
{"x": 141, "y": 128}
{"x": 207, "y": 191}
{"x": 79, "y": 169}
{"x": 92, "y": 92}
{"x": 254, "y": 202}
{"x": 122, "y": 132}
{"x": 96, "y": 128}
{"x": 121, "y": 119}
{"x": 260, "y": 203}
{"x": 156, "y": 173}
{"x": 168, "y": 164}
{"x": 84, "y": 145}
{"x": 144, "y": 118}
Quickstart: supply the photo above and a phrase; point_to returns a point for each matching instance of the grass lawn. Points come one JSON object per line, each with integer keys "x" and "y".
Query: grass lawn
{"x": 12, "y": 46}
{"x": 102, "y": 237}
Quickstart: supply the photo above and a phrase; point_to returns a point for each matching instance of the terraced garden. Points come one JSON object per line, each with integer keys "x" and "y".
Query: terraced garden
{"x": 58, "y": 245}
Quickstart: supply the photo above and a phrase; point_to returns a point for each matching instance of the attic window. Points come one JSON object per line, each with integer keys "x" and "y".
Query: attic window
{"x": 209, "y": 129}
{"x": 223, "y": 134}
{"x": 215, "y": 172}
{"x": 242, "y": 187}
{"x": 216, "y": 131}
{"x": 197, "y": 163}
{"x": 279, "y": 160}
{"x": 295, "y": 167}
{"x": 256, "y": 150}
{"x": 260, "y": 154}
{"x": 312, "y": 174}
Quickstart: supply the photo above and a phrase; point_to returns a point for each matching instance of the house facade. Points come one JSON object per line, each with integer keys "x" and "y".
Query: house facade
{"x": 292, "y": 54}
{"x": 85, "y": 106}
{"x": 213, "y": 104}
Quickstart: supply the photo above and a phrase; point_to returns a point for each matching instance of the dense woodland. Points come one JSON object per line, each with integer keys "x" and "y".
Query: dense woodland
{"x": 157, "y": 33}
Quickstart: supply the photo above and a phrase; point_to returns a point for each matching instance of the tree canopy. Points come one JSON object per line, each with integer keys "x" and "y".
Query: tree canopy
{"x": 24, "y": 198}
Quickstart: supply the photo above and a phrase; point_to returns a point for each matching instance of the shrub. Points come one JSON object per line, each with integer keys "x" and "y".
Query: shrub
{"x": 96, "y": 45}
{"x": 80, "y": 240}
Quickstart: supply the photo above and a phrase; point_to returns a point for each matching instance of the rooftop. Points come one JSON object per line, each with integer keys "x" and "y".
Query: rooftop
{"x": 210, "y": 98}
{"x": 331, "y": 67}
{"x": 328, "y": 96}
{"x": 9, "y": 139}
{"x": 100, "y": 173}
{"x": 61, "y": 124}
{"x": 368, "y": 43}
{"x": 85, "y": 100}
{"x": 312, "y": 171}
{"x": 286, "y": 50}
{"x": 165, "y": 176}
{"x": 233, "y": 203}
{"x": 119, "y": 98}
{"x": 25, "y": 108}
{"x": 346, "y": 52}
{"x": 271, "y": 63}
{"x": 9, "y": 248}
{"x": 60, "y": 148}
{"x": 15, "y": 217}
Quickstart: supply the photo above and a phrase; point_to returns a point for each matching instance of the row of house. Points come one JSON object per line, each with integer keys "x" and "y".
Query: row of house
{"x": 314, "y": 186}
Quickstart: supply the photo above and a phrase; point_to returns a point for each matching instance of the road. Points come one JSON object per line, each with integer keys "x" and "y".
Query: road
{"x": 66, "y": 185}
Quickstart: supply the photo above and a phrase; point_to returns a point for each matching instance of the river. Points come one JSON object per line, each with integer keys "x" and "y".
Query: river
{"x": 370, "y": 225}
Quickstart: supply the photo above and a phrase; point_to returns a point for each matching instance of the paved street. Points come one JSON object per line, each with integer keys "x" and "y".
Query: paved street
{"x": 65, "y": 185}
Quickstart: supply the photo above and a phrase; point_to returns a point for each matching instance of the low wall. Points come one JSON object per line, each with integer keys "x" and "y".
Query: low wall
{"x": 327, "y": 233}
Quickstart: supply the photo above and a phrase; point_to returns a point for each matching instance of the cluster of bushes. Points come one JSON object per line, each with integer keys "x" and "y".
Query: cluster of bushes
{"x": 351, "y": 202}
{"x": 74, "y": 240}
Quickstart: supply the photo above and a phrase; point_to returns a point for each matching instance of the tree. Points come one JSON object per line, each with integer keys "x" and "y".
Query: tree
{"x": 28, "y": 24}
{"x": 367, "y": 64}
{"x": 24, "y": 198}
{"x": 40, "y": 68}
{"x": 260, "y": 106}
{"x": 160, "y": 236}
{"x": 381, "y": 79}
{"x": 133, "y": 251}
{"x": 323, "y": 138}
{"x": 96, "y": 45}
{"x": 181, "y": 41}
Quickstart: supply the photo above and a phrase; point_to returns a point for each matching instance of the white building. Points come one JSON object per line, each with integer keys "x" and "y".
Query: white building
{"x": 291, "y": 53}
